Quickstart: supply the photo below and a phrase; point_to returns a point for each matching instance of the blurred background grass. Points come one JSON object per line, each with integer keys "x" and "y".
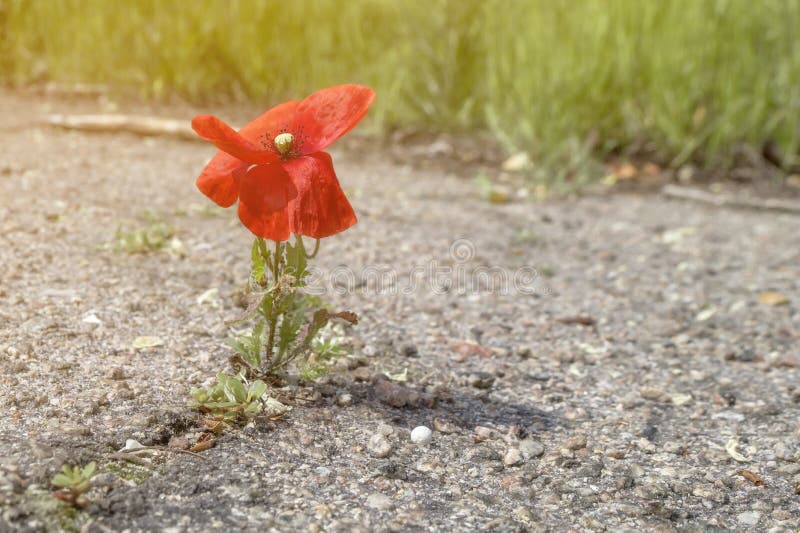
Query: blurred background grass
{"x": 677, "y": 80}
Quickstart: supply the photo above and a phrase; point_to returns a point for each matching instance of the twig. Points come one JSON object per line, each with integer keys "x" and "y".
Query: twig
{"x": 724, "y": 200}
{"x": 129, "y": 456}
{"x": 123, "y": 456}
{"x": 140, "y": 125}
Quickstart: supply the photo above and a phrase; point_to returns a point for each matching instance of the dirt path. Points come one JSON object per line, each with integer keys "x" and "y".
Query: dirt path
{"x": 540, "y": 423}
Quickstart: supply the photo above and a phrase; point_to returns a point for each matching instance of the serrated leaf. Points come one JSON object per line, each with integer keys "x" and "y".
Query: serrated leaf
{"x": 254, "y": 301}
{"x": 258, "y": 263}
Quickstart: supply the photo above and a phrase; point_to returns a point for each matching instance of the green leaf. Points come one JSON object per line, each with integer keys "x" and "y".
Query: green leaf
{"x": 256, "y": 391}
{"x": 234, "y": 390}
{"x": 296, "y": 262}
{"x": 88, "y": 470}
{"x": 257, "y": 258}
{"x": 61, "y": 480}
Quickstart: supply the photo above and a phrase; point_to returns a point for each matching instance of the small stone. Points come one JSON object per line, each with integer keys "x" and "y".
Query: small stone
{"x": 393, "y": 470}
{"x": 391, "y": 393}
{"x": 576, "y": 443}
{"x": 749, "y": 518}
{"x": 132, "y": 445}
{"x": 421, "y": 435}
{"x": 481, "y": 454}
{"x": 380, "y": 501}
{"x": 481, "y": 380}
{"x": 116, "y": 374}
{"x": 513, "y": 457}
{"x": 346, "y": 363}
{"x": 344, "y": 400}
{"x": 379, "y": 446}
{"x": 653, "y": 394}
{"x": 483, "y": 433}
{"x": 523, "y": 514}
{"x": 672, "y": 447}
{"x": 531, "y": 448}
{"x": 362, "y": 374}
{"x": 410, "y": 350}
{"x": 444, "y": 426}
{"x": 646, "y": 446}
{"x": 179, "y": 443}
{"x": 710, "y": 493}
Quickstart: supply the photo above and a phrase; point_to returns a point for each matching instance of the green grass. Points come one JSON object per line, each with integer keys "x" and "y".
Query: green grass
{"x": 678, "y": 79}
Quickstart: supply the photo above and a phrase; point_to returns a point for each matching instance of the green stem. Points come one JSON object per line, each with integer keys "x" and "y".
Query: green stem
{"x": 273, "y": 318}
{"x": 314, "y": 253}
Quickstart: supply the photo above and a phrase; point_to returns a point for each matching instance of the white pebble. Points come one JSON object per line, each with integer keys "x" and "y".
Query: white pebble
{"x": 421, "y": 435}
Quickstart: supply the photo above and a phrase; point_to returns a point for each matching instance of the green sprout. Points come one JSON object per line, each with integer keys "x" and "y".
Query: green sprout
{"x": 231, "y": 398}
{"x": 73, "y": 482}
{"x": 151, "y": 238}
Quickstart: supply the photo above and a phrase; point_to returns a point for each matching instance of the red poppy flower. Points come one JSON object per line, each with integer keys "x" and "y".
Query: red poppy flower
{"x": 276, "y": 168}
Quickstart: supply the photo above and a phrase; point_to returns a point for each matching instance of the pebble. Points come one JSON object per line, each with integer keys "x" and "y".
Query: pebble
{"x": 362, "y": 373}
{"x": 379, "y": 446}
{"x": 672, "y": 447}
{"x": 749, "y": 518}
{"x": 380, "y": 501}
{"x": 513, "y": 457}
{"x": 576, "y": 443}
{"x": 653, "y": 394}
{"x": 410, "y": 350}
{"x": 391, "y": 394}
{"x": 531, "y": 448}
{"x": 116, "y": 374}
{"x": 444, "y": 426}
{"x": 421, "y": 435}
{"x": 483, "y": 433}
{"x": 481, "y": 380}
{"x": 344, "y": 400}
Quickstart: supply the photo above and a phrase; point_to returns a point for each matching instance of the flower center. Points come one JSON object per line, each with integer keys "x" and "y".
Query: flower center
{"x": 284, "y": 143}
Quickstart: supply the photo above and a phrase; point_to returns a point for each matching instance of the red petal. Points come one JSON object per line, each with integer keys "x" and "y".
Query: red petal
{"x": 328, "y": 114}
{"x": 265, "y": 188}
{"x": 216, "y": 181}
{"x": 273, "y": 226}
{"x": 268, "y": 125}
{"x": 264, "y": 193}
{"x": 320, "y": 208}
{"x": 226, "y": 139}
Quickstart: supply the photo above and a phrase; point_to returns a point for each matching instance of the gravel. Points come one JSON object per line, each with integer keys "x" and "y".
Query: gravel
{"x": 541, "y": 421}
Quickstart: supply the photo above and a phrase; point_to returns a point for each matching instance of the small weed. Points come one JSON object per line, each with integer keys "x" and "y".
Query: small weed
{"x": 73, "y": 482}
{"x": 231, "y": 399}
{"x": 151, "y": 238}
{"x": 324, "y": 352}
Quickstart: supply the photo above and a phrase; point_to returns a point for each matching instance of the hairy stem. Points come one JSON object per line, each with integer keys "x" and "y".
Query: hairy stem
{"x": 273, "y": 318}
